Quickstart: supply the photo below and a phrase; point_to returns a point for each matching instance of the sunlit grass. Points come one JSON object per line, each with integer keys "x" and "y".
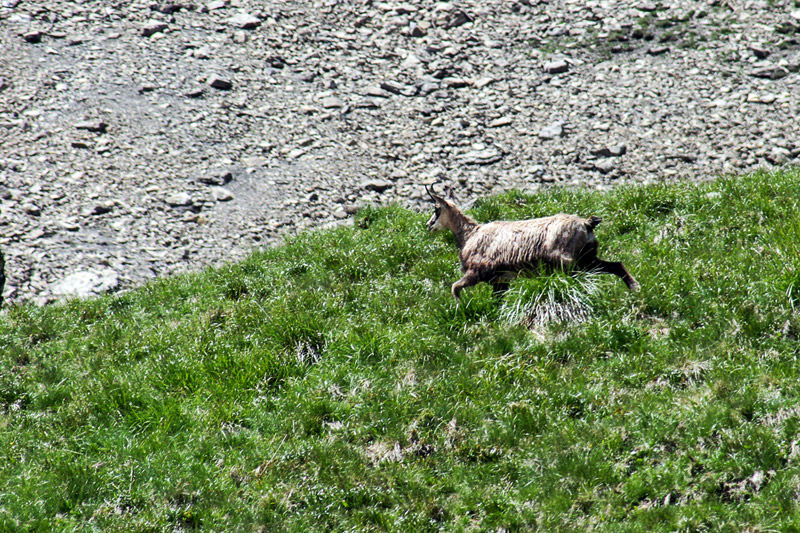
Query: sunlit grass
{"x": 333, "y": 383}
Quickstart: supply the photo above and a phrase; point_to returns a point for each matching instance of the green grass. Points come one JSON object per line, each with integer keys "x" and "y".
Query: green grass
{"x": 334, "y": 384}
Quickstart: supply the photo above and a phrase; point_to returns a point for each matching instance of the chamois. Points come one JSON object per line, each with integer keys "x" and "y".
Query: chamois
{"x": 495, "y": 252}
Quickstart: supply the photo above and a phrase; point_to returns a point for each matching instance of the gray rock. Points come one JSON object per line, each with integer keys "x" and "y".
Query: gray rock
{"x": 204, "y": 52}
{"x": 152, "y": 27}
{"x": 95, "y": 126}
{"x": 245, "y": 21}
{"x": 167, "y": 9}
{"x": 216, "y": 177}
{"x": 427, "y": 86}
{"x": 616, "y": 150}
{"x": 2, "y": 276}
{"x": 86, "y": 283}
{"x": 405, "y": 8}
{"x": 366, "y": 103}
{"x": 456, "y": 82}
{"x": 340, "y": 213}
{"x": 33, "y": 37}
{"x": 686, "y": 158}
{"x": 101, "y": 209}
{"x": 218, "y": 82}
{"x": 657, "y": 50}
{"x": 196, "y": 92}
{"x": 778, "y": 155}
{"x": 760, "y": 51}
{"x": 31, "y": 209}
{"x": 605, "y": 165}
{"x": 771, "y": 73}
{"x": 534, "y": 171}
{"x": 556, "y": 67}
{"x": 551, "y": 131}
{"x": 276, "y": 62}
{"x": 308, "y": 76}
{"x": 221, "y": 194}
{"x": 254, "y": 161}
{"x": 75, "y": 40}
{"x": 377, "y": 92}
{"x": 765, "y": 98}
{"x": 399, "y": 88}
{"x": 378, "y": 186}
{"x": 502, "y": 121}
{"x": 459, "y": 18}
{"x": 69, "y": 225}
{"x": 179, "y": 199}
{"x": 418, "y": 31}
{"x": 485, "y": 156}
{"x": 331, "y": 102}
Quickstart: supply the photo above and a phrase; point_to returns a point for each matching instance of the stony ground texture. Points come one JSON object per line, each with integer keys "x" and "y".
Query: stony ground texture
{"x": 139, "y": 138}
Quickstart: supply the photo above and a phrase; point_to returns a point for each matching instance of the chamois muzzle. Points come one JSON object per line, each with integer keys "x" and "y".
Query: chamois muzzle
{"x": 432, "y": 226}
{"x": 437, "y": 200}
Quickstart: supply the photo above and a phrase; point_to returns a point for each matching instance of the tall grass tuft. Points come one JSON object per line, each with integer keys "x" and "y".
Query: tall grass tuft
{"x": 554, "y": 297}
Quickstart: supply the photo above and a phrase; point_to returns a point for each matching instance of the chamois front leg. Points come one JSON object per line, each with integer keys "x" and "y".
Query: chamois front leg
{"x": 468, "y": 280}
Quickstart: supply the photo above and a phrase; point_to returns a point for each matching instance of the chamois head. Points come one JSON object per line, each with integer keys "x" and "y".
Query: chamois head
{"x": 443, "y": 212}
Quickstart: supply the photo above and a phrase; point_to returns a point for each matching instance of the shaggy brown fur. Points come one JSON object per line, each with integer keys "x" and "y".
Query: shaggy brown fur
{"x": 497, "y": 251}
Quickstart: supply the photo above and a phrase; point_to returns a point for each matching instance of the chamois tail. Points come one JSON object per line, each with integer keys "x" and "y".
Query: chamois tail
{"x": 594, "y": 221}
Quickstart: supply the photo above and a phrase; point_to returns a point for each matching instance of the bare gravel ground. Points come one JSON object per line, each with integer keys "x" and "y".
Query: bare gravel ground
{"x": 142, "y": 138}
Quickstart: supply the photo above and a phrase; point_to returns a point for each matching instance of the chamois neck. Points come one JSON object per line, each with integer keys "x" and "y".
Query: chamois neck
{"x": 462, "y": 227}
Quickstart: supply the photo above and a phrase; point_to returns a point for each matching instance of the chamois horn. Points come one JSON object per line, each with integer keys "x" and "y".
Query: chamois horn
{"x": 435, "y": 197}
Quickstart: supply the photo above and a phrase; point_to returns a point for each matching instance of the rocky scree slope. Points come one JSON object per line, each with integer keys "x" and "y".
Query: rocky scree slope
{"x": 142, "y": 138}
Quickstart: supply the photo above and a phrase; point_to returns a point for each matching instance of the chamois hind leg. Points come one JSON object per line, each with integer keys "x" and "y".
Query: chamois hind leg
{"x": 499, "y": 287}
{"x": 500, "y": 282}
{"x": 468, "y": 280}
{"x": 616, "y": 268}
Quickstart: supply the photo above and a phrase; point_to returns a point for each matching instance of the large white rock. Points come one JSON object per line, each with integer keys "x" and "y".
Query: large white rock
{"x": 85, "y": 283}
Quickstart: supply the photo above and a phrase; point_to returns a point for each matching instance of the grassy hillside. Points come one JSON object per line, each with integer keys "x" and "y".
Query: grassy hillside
{"x": 333, "y": 383}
